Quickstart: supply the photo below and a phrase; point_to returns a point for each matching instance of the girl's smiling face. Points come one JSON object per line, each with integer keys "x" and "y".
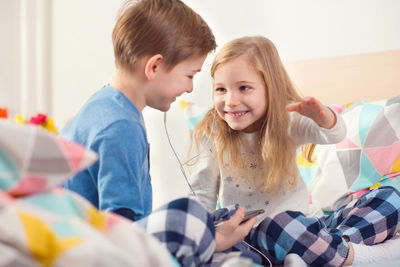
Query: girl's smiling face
{"x": 239, "y": 95}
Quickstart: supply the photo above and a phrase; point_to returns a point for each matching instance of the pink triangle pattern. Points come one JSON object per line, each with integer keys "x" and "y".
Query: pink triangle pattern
{"x": 345, "y": 144}
{"x": 394, "y": 176}
{"x": 383, "y": 157}
{"x": 112, "y": 220}
{"x": 58, "y": 191}
{"x": 6, "y": 199}
{"x": 359, "y": 193}
{"x": 338, "y": 107}
{"x": 74, "y": 151}
{"x": 29, "y": 185}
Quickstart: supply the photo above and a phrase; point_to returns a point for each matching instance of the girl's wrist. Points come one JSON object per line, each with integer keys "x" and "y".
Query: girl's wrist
{"x": 331, "y": 119}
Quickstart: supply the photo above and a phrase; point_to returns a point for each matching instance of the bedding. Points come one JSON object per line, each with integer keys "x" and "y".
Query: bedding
{"x": 42, "y": 225}
{"x": 367, "y": 158}
{"x": 33, "y": 160}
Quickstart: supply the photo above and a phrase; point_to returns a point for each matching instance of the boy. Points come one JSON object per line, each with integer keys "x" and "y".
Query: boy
{"x": 159, "y": 45}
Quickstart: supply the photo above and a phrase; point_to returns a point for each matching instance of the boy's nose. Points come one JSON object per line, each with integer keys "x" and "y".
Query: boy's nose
{"x": 190, "y": 88}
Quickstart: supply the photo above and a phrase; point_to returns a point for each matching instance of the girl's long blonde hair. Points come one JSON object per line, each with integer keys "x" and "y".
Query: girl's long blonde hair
{"x": 275, "y": 148}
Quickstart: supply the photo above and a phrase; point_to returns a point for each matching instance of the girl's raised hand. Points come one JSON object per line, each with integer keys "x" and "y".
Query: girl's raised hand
{"x": 233, "y": 231}
{"x": 312, "y": 108}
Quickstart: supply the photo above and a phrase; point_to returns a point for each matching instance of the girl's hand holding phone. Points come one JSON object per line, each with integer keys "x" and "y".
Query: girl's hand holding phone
{"x": 233, "y": 231}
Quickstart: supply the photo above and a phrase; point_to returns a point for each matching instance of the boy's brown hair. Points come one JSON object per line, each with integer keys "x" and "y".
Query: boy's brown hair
{"x": 166, "y": 27}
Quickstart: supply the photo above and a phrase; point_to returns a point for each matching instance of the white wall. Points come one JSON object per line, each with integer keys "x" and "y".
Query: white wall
{"x": 25, "y": 52}
{"x": 9, "y": 57}
{"x": 82, "y": 57}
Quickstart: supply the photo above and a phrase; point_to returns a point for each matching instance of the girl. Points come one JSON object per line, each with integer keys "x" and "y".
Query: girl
{"x": 257, "y": 122}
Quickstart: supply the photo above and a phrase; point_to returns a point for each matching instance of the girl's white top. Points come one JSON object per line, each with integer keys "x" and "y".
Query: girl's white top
{"x": 212, "y": 183}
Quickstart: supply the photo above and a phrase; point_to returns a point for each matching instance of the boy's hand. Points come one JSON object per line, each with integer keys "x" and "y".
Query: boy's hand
{"x": 232, "y": 231}
{"x": 312, "y": 108}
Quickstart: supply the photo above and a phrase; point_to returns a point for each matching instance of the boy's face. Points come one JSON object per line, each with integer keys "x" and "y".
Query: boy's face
{"x": 239, "y": 95}
{"x": 168, "y": 85}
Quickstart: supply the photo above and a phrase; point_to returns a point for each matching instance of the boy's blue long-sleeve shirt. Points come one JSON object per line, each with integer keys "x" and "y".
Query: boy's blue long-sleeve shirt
{"x": 110, "y": 125}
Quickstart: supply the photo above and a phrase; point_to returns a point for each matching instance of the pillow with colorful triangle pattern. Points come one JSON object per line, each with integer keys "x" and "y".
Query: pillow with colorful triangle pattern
{"x": 367, "y": 158}
{"x": 33, "y": 160}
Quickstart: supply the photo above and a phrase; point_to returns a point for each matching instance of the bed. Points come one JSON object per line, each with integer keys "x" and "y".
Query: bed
{"x": 45, "y": 226}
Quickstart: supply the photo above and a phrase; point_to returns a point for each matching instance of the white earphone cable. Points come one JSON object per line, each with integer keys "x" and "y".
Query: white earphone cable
{"x": 259, "y": 252}
{"x": 176, "y": 155}
{"x": 187, "y": 180}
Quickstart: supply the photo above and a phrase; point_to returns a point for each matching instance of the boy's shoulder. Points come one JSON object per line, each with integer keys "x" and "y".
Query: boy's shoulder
{"x": 107, "y": 111}
{"x": 110, "y": 103}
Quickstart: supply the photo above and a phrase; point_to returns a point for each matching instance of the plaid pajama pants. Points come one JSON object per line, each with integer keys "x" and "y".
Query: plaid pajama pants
{"x": 185, "y": 228}
{"x": 370, "y": 219}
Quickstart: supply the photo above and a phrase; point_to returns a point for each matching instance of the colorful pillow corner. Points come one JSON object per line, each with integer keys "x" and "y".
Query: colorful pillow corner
{"x": 33, "y": 159}
{"x": 367, "y": 158}
{"x": 59, "y": 227}
{"x": 193, "y": 113}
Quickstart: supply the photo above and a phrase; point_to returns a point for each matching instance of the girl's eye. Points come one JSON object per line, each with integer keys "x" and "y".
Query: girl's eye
{"x": 244, "y": 88}
{"x": 220, "y": 89}
{"x": 190, "y": 77}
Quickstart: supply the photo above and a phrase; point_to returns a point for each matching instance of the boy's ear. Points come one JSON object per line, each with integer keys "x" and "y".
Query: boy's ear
{"x": 152, "y": 66}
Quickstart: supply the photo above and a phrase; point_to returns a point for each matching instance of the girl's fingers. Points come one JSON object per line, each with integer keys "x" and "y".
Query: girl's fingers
{"x": 242, "y": 230}
{"x": 293, "y": 107}
{"x": 237, "y": 218}
{"x": 247, "y": 225}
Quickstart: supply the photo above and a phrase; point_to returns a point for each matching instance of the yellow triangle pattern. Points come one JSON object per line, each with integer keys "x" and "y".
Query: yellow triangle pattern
{"x": 42, "y": 242}
{"x": 349, "y": 104}
{"x": 184, "y": 104}
{"x": 303, "y": 162}
{"x": 97, "y": 219}
{"x": 376, "y": 185}
{"x": 396, "y": 166}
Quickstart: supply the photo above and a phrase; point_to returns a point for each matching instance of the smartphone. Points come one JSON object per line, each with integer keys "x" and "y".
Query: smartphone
{"x": 248, "y": 215}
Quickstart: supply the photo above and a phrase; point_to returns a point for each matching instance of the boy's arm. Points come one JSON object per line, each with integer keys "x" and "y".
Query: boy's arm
{"x": 123, "y": 180}
{"x": 127, "y": 213}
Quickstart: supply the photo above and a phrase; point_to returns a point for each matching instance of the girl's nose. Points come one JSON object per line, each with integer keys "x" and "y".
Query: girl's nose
{"x": 231, "y": 99}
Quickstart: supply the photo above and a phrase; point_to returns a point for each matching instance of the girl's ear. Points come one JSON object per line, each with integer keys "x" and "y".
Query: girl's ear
{"x": 152, "y": 66}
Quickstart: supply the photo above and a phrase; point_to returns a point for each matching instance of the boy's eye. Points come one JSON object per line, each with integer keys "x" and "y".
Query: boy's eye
{"x": 220, "y": 89}
{"x": 190, "y": 76}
